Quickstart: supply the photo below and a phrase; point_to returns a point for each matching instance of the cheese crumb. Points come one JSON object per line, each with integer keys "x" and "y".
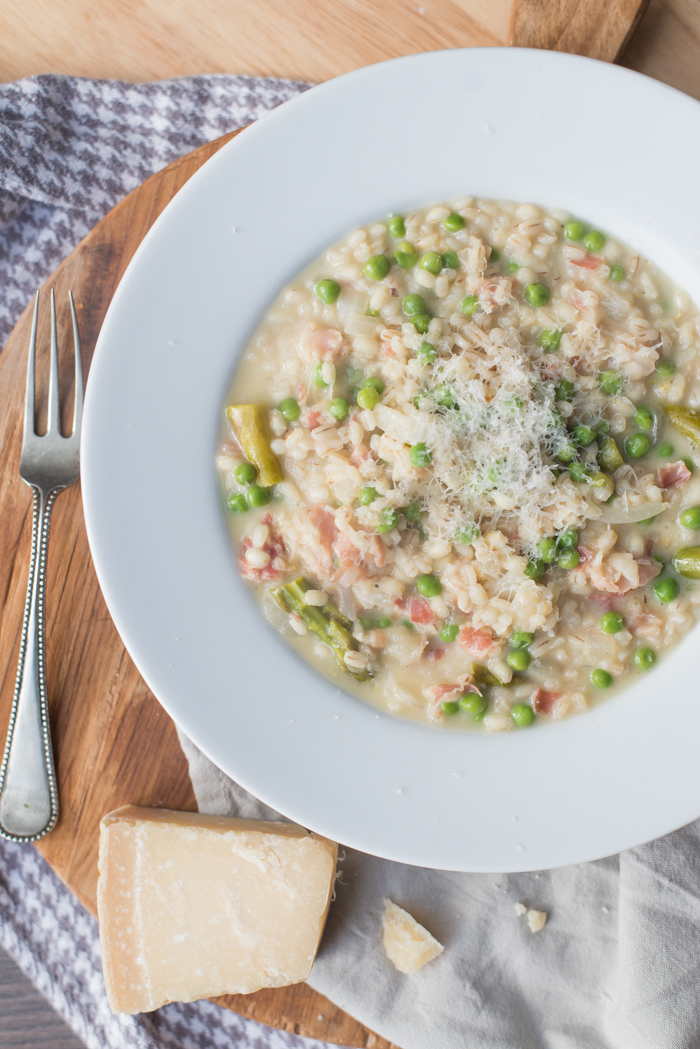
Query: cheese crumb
{"x": 536, "y": 920}
{"x": 407, "y": 944}
{"x": 520, "y": 909}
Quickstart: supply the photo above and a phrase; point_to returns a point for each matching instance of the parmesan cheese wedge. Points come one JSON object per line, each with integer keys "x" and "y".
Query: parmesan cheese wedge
{"x": 194, "y": 906}
{"x": 407, "y": 944}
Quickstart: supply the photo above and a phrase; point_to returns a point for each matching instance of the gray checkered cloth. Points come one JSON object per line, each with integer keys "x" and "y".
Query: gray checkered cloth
{"x": 69, "y": 151}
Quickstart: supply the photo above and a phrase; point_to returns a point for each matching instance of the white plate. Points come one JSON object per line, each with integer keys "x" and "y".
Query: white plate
{"x": 606, "y": 144}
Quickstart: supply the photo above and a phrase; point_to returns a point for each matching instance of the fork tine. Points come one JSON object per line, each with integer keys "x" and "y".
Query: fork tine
{"x": 52, "y": 415}
{"x": 29, "y": 395}
{"x": 78, "y": 407}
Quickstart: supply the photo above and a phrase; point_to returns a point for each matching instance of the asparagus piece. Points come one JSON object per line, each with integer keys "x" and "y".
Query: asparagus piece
{"x": 687, "y": 562}
{"x": 609, "y": 455}
{"x": 327, "y": 623}
{"x": 249, "y": 423}
{"x": 686, "y": 420}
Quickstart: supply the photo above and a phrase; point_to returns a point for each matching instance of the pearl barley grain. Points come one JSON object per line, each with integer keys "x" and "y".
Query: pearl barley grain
{"x": 315, "y": 598}
{"x": 257, "y": 558}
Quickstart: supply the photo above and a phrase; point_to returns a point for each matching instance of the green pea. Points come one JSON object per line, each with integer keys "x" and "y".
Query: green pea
{"x": 644, "y": 658}
{"x": 413, "y": 304}
{"x": 513, "y": 267}
{"x": 520, "y": 659}
{"x": 568, "y": 540}
{"x": 637, "y": 445}
{"x": 328, "y": 291}
{"x": 413, "y": 512}
{"x": 647, "y": 521}
{"x": 367, "y": 496}
{"x": 420, "y": 455}
{"x": 426, "y": 353}
{"x": 449, "y": 633}
{"x": 568, "y": 559}
{"x": 375, "y": 382}
{"x": 566, "y": 453}
{"x": 547, "y": 550}
{"x": 602, "y": 427}
{"x": 405, "y": 255}
{"x": 564, "y": 390}
{"x": 376, "y": 267}
{"x": 594, "y": 240}
{"x": 665, "y": 369}
{"x": 665, "y": 450}
{"x": 421, "y": 322}
{"x": 665, "y": 589}
{"x": 468, "y": 304}
{"x": 406, "y": 622}
{"x": 690, "y": 518}
{"x": 611, "y": 382}
{"x": 384, "y": 622}
{"x": 521, "y": 639}
{"x": 689, "y": 463}
{"x": 583, "y": 435}
{"x": 444, "y": 396}
{"x": 467, "y": 533}
{"x": 450, "y": 260}
{"x": 317, "y": 375}
{"x": 522, "y": 715}
{"x": 257, "y": 496}
{"x": 453, "y": 222}
{"x": 237, "y": 502}
{"x": 574, "y": 230}
{"x": 366, "y": 623}
{"x": 388, "y": 519}
{"x": 449, "y": 706}
{"x": 600, "y": 678}
{"x": 534, "y": 569}
{"x": 495, "y": 255}
{"x": 367, "y": 398}
{"x": 339, "y": 408}
{"x": 289, "y": 409}
{"x": 245, "y": 473}
{"x": 473, "y": 703}
{"x": 550, "y": 340}
{"x": 577, "y": 471}
{"x": 428, "y": 586}
{"x": 644, "y": 417}
{"x": 397, "y": 226}
{"x": 430, "y": 261}
{"x": 617, "y": 273}
{"x": 537, "y": 294}
{"x": 612, "y": 623}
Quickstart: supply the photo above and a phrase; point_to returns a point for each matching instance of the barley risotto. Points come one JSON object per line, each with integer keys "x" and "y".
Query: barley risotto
{"x": 458, "y": 464}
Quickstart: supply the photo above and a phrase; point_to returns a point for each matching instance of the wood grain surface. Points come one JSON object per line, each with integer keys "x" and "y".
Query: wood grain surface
{"x": 593, "y": 29}
{"x": 101, "y": 710}
{"x": 302, "y": 39}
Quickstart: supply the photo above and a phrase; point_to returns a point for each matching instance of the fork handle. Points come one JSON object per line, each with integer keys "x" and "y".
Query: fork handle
{"x": 28, "y": 791}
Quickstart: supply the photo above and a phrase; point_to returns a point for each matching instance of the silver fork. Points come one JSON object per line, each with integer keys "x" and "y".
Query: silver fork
{"x": 28, "y": 790}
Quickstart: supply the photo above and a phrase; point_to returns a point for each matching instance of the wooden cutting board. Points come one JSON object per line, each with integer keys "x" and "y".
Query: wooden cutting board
{"x": 112, "y": 741}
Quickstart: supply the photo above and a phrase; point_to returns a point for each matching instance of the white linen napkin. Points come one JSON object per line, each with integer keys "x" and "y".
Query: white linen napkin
{"x": 617, "y": 966}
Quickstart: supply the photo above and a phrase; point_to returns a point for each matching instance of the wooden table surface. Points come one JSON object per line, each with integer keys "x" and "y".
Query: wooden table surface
{"x": 152, "y": 39}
